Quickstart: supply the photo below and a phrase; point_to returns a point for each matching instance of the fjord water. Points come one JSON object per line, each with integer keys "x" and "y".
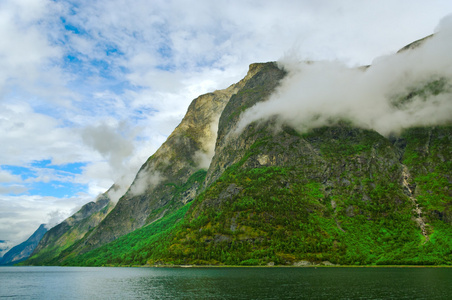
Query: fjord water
{"x": 225, "y": 283}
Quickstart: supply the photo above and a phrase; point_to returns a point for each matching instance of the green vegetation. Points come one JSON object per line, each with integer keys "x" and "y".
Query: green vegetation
{"x": 63, "y": 237}
{"x": 429, "y": 158}
{"x": 193, "y": 182}
{"x": 254, "y": 216}
{"x": 142, "y": 246}
{"x": 338, "y": 193}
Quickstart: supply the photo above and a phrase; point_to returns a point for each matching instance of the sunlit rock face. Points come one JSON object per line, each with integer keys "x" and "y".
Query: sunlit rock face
{"x": 160, "y": 186}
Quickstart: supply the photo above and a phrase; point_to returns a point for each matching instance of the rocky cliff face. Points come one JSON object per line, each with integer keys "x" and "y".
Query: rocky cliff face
{"x": 268, "y": 193}
{"x": 228, "y": 148}
{"x": 170, "y": 178}
{"x": 23, "y": 250}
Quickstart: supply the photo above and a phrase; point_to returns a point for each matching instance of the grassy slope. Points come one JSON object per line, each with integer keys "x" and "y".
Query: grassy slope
{"x": 135, "y": 248}
{"x": 428, "y": 155}
{"x": 125, "y": 249}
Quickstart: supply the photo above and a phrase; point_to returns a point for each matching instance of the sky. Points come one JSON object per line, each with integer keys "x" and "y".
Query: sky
{"x": 90, "y": 89}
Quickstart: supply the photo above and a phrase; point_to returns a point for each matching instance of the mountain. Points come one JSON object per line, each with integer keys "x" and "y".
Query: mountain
{"x": 71, "y": 230}
{"x": 4, "y": 247}
{"x": 169, "y": 178}
{"x": 235, "y": 185}
{"x": 22, "y": 251}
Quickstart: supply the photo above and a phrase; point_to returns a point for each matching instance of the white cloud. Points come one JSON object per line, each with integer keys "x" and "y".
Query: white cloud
{"x": 114, "y": 143}
{"x": 13, "y": 189}
{"x": 28, "y": 135}
{"x": 26, "y": 54}
{"x": 316, "y": 93}
{"x": 7, "y": 177}
{"x": 21, "y": 215}
{"x": 204, "y": 156}
{"x": 146, "y": 179}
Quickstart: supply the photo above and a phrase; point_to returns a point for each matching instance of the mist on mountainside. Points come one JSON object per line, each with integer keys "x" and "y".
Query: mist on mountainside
{"x": 395, "y": 92}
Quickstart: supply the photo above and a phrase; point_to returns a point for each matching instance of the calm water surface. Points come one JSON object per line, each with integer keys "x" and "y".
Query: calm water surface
{"x": 225, "y": 283}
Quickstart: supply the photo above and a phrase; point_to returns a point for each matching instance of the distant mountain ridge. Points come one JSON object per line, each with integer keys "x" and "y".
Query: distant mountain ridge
{"x": 272, "y": 194}
{"x": 22, "y": 251}
{"x": 71, "y": 230}
{"x": 4, "y": 247}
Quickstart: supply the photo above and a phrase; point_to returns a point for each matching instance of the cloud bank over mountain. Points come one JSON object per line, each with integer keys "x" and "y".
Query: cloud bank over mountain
{"x": 316, "y": 94}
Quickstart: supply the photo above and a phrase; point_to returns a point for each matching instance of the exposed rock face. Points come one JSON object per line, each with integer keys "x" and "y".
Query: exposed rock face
{"x": 71, "y": 230}
{"x": 156, "y": 190}
{"x": 23, "y": 250}
{"x": 229, "y": 149}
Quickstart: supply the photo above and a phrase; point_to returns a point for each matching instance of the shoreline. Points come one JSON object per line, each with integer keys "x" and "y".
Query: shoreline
{"x": 187, "y": 266}
{"x": 283, "y": 266}
{"x": 280, "y": 266}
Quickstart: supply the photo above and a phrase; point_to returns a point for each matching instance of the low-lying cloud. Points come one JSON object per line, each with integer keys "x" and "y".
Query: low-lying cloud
{"x": 116, "y": 144}
{"x": 56, "y": 217}
{"x": 145, "y": 179}
{"x": 204, "y": 156}
{"x": 314, "y": 94}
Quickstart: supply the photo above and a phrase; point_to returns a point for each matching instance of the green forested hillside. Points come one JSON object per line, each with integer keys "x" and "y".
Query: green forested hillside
{"x": 255, "y": 216}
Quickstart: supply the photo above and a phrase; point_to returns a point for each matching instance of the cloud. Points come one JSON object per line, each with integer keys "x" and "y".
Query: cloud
{"x": 145, "y": 180}
{"x": 117, "y": 191}
{"x": 55, "y": 217}
{"x": 315, "y": 94}
{"x": 13, "y": 189}
{"x": 21, "y": 215}
{"x": 115, "y": 142}
{"x": 27, "y": 55}
{"x": 32, "y": 136}
{"x": 111, "y": 142}
{"x": 204, "y": 156}
{"x": 7, "y": 177}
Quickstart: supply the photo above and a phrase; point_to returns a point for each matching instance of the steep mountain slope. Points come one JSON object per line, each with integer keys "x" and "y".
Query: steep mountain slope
{"x": 336, "y": 194}
{"x": 23, "y": 250}
{"x": 71, "y": 230}
{"x": 342, "y": 197}
{"x": 275, "y": 194}
{"x": 170, "y": 177}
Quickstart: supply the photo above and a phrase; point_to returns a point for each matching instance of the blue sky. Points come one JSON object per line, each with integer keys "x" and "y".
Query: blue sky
{"x": 44, "y": 179}
{"x": 90, "y": 89}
